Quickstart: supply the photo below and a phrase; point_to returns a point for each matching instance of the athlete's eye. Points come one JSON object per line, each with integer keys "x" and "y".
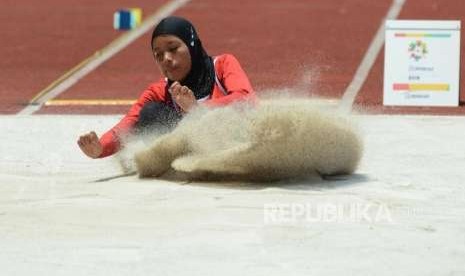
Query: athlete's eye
{"x": 157, "y": 55}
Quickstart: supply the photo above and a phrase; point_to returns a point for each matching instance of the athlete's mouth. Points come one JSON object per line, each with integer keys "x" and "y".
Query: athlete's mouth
{"x": 171, "y": 69}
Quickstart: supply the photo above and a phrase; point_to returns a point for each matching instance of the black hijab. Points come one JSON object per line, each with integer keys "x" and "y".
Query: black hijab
{"x": 201, "y": 77}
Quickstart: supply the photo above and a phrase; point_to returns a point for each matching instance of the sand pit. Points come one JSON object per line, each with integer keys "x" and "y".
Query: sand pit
{"x": 56, "y": 219}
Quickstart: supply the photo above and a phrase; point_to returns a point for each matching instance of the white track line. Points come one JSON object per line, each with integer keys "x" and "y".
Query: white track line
{"x": 363, "y": 69}
{"x": 102, "y": 56}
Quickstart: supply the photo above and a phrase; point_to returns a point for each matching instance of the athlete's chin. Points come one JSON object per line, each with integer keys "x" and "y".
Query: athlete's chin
{"x": 174, "y": 76}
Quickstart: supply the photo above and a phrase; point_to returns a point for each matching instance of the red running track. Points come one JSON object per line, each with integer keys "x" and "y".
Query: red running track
{"x": 278, "y": 44}
{"x": 315, "y": 46}
{"x": 41, "y": 40}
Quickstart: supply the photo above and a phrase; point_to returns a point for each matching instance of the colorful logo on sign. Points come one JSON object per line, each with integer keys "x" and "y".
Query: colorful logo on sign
{"x": 417, "y": 50}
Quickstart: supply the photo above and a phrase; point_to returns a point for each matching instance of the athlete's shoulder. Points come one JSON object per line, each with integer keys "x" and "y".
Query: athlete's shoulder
{"x": 225, "y": 58}
{"x": 155, "y": 91}
{"x": 160, "y": 84}
{"x": 226, "y": 63}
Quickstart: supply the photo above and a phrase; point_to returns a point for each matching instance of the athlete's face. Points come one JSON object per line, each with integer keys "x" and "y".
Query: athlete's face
{"x": 172, "y": 56}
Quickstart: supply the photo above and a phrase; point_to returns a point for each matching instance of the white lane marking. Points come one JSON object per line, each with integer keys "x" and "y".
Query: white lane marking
{"x": 364, "y": 68}
{"x": 103, "y": 55}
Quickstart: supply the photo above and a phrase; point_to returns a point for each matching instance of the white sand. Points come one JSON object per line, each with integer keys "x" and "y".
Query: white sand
{"x": 54, "y": 220}
{"x": 279, "y": 139}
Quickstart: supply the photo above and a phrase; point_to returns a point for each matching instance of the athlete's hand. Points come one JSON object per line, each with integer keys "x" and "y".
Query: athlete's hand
{"x": 183, "y": 96}
{"x": 90, "y": 145}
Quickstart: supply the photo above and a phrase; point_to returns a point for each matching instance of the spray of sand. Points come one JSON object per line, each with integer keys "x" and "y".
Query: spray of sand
{"x": 278, "y": 139}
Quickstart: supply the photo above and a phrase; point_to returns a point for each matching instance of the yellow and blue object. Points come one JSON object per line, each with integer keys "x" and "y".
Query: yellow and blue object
{"x": 126, "y": 19}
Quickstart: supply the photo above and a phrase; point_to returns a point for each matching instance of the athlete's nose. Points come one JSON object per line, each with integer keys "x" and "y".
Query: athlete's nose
{"x": 168, "y": 57}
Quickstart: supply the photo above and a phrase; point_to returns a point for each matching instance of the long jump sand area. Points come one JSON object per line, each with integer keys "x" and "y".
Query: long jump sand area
{"x": 407, "y": 202}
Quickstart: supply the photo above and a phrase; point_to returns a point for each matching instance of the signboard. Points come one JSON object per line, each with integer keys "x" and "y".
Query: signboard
{"x": 422, "y": 63}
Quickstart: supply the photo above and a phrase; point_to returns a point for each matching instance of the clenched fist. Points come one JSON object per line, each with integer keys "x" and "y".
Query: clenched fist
{"x": 90, "y": 145}
{"x": 183, "y": 96}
